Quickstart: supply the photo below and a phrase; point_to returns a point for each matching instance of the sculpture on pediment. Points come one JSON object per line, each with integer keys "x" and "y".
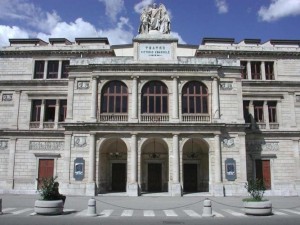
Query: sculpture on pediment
{"x": 155, "y": 18}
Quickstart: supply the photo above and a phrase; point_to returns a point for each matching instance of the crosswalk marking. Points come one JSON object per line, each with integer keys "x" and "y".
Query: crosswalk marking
{"x": 170, "y": 213}
{"x": 8, "y": 209}
{"x": 22, "y": 211}
{"x": 217, "y": 214}
{"x": 291, "y": 211}
{"x": 191, "y": 213}
{"x": 234, "y": 213}
{"x": 279, "y": 213}
{"x": 149, "y": 213}
{"x": 106, "y": 213}
{"x": 127, "y": 213}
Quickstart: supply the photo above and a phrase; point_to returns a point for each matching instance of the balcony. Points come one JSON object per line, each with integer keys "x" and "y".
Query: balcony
{"x": 48, "y": 125}
{"x": 155, "y": 118}
{"x": 195, "y": 118}
{"x": 34, "y": 125}
{"x": 274, "y": 126}
{"x": 113, "y": 117}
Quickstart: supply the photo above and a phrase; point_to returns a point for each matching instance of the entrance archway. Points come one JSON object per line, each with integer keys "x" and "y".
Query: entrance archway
{"x": 195, "y": 165}
{"x": 113, "y": 166}
{"x": 155, "y": 166}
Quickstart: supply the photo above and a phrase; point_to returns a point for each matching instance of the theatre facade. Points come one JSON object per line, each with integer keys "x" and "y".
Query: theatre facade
{"x": 153, "y": 116}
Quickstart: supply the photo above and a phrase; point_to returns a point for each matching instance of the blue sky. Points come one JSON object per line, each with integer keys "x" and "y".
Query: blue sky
{"x": 191, "y": 20}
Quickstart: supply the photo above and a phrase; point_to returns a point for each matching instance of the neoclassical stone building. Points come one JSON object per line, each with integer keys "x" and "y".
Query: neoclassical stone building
{"x": 151, "y": 116}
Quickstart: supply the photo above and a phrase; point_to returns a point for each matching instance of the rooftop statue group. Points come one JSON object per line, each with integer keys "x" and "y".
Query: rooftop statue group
{"x": 155, "y": 18}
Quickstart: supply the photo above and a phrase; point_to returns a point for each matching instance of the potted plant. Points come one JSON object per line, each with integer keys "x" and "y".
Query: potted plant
{"x": 256, "y": 204}
{"x": 50, "y": 202}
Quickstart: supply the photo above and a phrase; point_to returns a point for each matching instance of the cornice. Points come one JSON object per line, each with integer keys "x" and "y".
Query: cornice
{"x": 34, "y": 82}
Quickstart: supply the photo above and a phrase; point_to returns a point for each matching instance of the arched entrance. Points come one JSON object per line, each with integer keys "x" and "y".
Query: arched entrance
{"x": 195, "y": 166}
{"x": 155, "y": 165}
{"x": 113, "y": 166}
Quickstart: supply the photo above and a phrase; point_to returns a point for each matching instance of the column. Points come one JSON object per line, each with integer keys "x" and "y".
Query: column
{"x": 218, "y": 176}
{"x": 175, "y": 99}
{"x": 263, "y": 70}
{"x": 94, "y": 99}
{"x": 132, "y": 189}
{"x": 134, "y": 103}
{"x": 90, "y": 187}
{"x": 17, "y": 96}
{"x": 11, "y": 163}
{"x": 56, "y": 118}
{"x": 266, "y": 114}
{"x": 249, "y": 73}
{"x": 251, "y": 111}
{"x": 59, "y": 69}
{"x": 176, "y": 186}
{"x": 243, "y": 161}
{"x": 45, "y": 69}
{"x": 67, "y": 157}
{"x": 42, "y": 113}
{"x": 215, "y": 100}
{"x": 70, "y": 99}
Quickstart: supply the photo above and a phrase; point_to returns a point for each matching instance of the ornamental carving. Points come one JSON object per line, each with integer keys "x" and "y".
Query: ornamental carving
{"x": 83, "y": 85}
{"x": 46, "y": 145}
{"x": 7, "y": 97}
{"x": 80, "y": 141}
{"x": 3, "y": 145}
{"x": 228, "y": 142}
{"x": 226, "y": 86}
{"x": 263, "y": 146}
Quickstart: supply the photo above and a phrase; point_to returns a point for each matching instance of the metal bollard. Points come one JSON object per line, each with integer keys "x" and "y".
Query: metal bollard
{"x": 91, "y": 211}
{"x": 207, "y": 209}
{"x": 0, "y": 206}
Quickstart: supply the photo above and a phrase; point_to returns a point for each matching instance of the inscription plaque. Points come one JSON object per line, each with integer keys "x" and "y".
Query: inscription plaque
{"x": 155, "y": 51}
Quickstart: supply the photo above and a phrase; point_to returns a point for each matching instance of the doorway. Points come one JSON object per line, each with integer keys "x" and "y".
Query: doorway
{"x": 263, "y": 172}
{"x": 118, "y": 177}
{"x": 190, "y": 177}
{"x": 46, "y": 170}
{"x": 154, "y": 177}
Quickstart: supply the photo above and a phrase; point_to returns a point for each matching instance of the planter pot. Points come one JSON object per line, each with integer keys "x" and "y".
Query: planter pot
{"x": 44, "y": 207}
{"x": 262, "y": 208}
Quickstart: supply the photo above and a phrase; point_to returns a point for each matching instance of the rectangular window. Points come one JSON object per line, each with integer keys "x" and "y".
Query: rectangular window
{"x": 52, "y": 72}
{"x": 62, "y": 110}
{"x": 39, "y": 69}
{"x": 50, "y": 110}
{"x": 36, "y": 110}
{"x": 255, "y": 70}
{"x": 259, "y": 111}
{"x": 272, "y": 112}
{"x": 244, "y": 70}
{"x": 247, "y": 115}
{"x": 269, "y": 68}
{"x": 64, "y": 72}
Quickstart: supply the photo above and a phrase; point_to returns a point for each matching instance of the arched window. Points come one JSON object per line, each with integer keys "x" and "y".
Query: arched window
{"x": 114, "y": 98}
{"x": 194, "y": 98}
{"x": 155, "y": 97}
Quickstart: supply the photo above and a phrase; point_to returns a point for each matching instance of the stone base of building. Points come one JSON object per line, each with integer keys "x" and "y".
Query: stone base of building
{"x": 176, "y": 189}
{"x": 217, "y": 190}
{"x": 133, "y": 189}
{"x": 237, "y": 189}
{"x": 90, "y": 189}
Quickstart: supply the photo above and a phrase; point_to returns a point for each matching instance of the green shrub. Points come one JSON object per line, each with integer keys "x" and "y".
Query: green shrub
{"x": 256, "y": 188}
{"x": 47, "y": 191}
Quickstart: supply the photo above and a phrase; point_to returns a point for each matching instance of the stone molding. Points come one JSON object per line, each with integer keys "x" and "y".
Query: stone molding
{"x": 228, "y": 142}
{"x": 263, "y": 146}
{"x": 83, "y": 85}
{"x": 46, "y": 145}
{"x": 80, "y": 141}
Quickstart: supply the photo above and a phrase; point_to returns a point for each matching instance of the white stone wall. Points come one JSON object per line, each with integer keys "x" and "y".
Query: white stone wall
{"x": 16, "y": 68}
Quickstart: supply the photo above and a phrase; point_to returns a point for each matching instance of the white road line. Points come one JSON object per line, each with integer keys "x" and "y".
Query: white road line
{"x": 7, "y": 209}
{"x": 192, "y": 213}
{"x": 127, "y": 213}
{"x": 22, "y": 211}
{"x": 81, "y": 213}
{"x": 291, "y": 211}
{"x": 170, "y": 213}
{"x": 279, "y": 213}
{"x": 217, "y": 214}
{"x": 149, "y": 213}
{"x": 234, "y": 213}
{"x": 106, "y": 213}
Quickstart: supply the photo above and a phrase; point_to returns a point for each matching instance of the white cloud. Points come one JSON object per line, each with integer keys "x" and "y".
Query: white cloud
{"x": 222, "y": 6}
{"x": 138, "y": 8}
{"x": 176, "y": 35}
{"x": 113, "y": 8}
{"x": 8, "y": 32}
{"x": 279, "y": 9}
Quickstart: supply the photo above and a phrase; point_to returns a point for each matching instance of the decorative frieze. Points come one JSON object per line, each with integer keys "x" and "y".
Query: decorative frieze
{"x": 228, "y": 142}
{"x": 226, "y": 86}
{"x": 3, "y": 144}
{"x": 263, "y": 146}
{"x": 83, "y": 84}
{"x": 80, "y": 141}
{"x": 7, "y": 97}
{"x": 46, "y": 145}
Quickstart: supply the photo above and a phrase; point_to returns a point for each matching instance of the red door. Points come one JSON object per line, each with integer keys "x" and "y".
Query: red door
{"x": 46, "y": 167}
{"x": 263, "y": 172}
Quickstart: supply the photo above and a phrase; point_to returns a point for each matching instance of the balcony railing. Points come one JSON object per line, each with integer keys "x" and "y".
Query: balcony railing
{"x": 48, "y": 125}
{"x": 195, "y": 118}
{"x": 274, "y": 126}
{"x": 113, "y": 117}
{"x": 261, "y": 126}
{"x": 155, "y": 118}
{"x": 35, "y": 125}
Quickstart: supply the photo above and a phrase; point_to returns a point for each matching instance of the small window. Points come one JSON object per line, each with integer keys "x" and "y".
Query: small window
{"x": 36, "y": 110}
{"x": 52, "y": 72}
{"x": 62, "y": 110}
{"x": 244, "y": 73}
{"x": 269, "y": 68}
{"x": 272, "y": 112}
{"x": 247, "y": 115}
{"x": 64, "y": 72}
{"x": 39, "y": 69}
{"x": 50, "y": 110}
{"x": 259, "y": 111}
{"x": 255, "y": 70}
